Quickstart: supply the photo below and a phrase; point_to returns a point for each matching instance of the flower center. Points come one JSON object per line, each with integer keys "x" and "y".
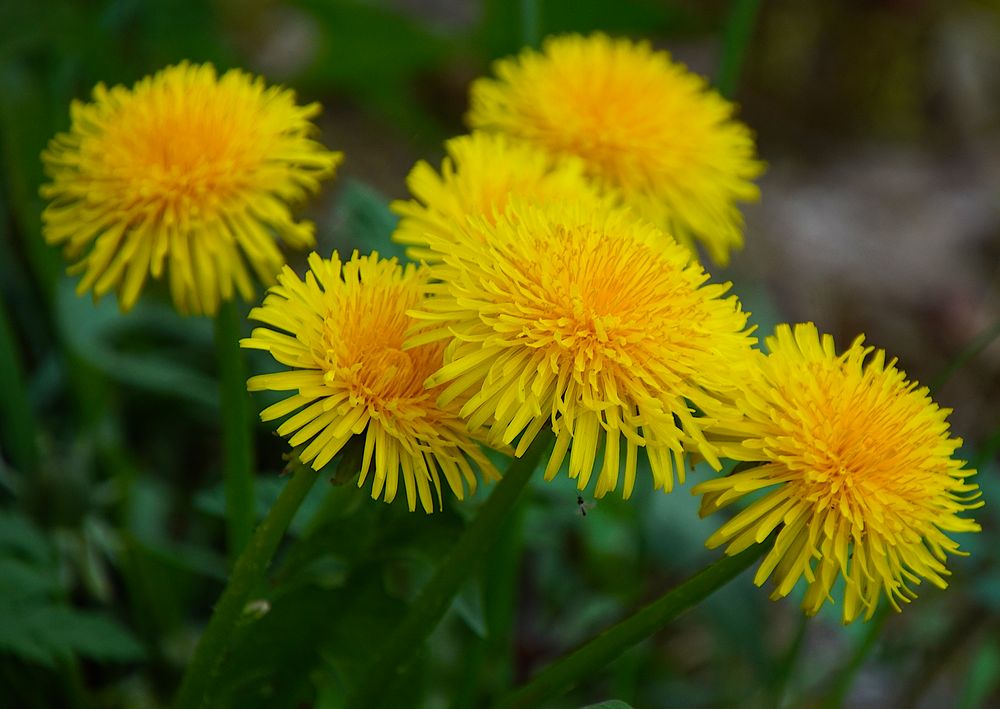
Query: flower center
{"x": 603, "y": 303}
{"x": 852, "y": 451}
{"x": 184, "y": 160}
{"x": 365, "y": 351}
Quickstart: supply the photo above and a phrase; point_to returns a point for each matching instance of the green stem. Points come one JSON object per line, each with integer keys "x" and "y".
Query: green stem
{"x": 531, "y": 21}
{"x": 246, "y": 575}
{"x": 736, "y": 37}
{"x": 434, "y": 599}
{"x": 596, "y": 654}
{"x": 236, "y": 430}
{"x": 19, "y": 429}
{"x": 980, "y": 343}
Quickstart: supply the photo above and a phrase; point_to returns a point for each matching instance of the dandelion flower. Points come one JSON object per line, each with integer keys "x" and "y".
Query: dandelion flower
{"x": 855, "y": 466}
{"x": 341, "y": 332}
{"x": 650, "y": 132}
{"x": 588, "y": 318}
{"x": 478, "y": 177}
{"x": 188, "y": 174}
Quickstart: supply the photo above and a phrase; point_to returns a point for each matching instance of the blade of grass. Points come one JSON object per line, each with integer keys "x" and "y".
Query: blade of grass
{"x": 596, "y": 654}
{"x": 434, "y": 599}
{"x": 844, "y": 679}
{"x": 978, "y": 344}
{"x": 735, "y": 39}
{"x": 196, "y": 686}
{"x": 987, "y": 450}
{"x": 939, "y": 652}
{"x": 19, "y": 428}
{"x": 500, "y": 595}
{"x": 236, "y": 430}
{"x": 786, "y": 663}
{"x": 983, "y": 676}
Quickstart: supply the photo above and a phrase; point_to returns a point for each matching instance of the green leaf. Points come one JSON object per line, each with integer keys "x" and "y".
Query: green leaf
{"x": 345, "y": 57}
{"x": 366, "y": 221}
{"x": 212, "y": 500}
{"x": 98, "y": 332}
{"x": 163, "y": 580}
{"x": 93, "y": 635}
{"x": 18, "y": 536}
{"x": 46, "y": 633}
{"x": 468, "y": 604}
{"x": 500, "y": 32}
{"x": 37, "y": 624}
{"x": 983, "y": 676}
{"x": 308, "y": 626}
{"x": 22, "y": 580}
{"x": 180, "y": 29}
{"x": 567, "y": 671}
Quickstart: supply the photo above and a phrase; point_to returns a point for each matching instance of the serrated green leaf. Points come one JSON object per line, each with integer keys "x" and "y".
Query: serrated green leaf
{"x": 93, "y": 635}
{"x": 93, "y": 331}
{"x": 47, "y": 632}
{"x": 307, "y": 627}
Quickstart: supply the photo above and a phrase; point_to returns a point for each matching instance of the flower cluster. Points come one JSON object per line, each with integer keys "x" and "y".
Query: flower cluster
{"x": 559, "y": 288}
{"x": 591, "y": 320}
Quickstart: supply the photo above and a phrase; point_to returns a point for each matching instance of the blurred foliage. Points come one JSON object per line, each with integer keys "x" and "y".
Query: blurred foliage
{"x": 111, "y": 505}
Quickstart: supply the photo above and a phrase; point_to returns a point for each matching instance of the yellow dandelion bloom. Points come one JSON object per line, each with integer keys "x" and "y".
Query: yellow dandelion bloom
{"x": 857, "y": 466}
{"x": 650, "y": 132}
{"x": 341, "y": 332}
{"x": 187, "y": 173}
{"x": 479, "y": 175}
{"x": 589, "y": 318}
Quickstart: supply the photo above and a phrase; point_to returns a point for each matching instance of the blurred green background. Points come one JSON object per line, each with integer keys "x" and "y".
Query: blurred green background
{"x": 880, "y": 122}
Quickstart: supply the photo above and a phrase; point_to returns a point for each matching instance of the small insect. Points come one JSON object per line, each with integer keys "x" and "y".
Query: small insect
{"x": 584, "y": 506}
{"x": 257, "y": 609}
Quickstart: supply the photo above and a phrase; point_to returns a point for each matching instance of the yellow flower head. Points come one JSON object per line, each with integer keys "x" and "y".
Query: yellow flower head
{"x": 589, "y": 318}
{"x": 650, "y": 132}
{"x": 859, "y": 465}
{"x": 188, "y": 173}
{"x": 341, "y": 332}
{"x": 480, "y": 174}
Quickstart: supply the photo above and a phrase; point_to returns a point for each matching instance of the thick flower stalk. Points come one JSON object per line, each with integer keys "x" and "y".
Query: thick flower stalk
{"x": 588, "y": 318}
{"x": 478, "y": 177}
{"x": 187, "y": 174}
{"x": 855, "y": 467}
{"x": 649, "y": 132}
{"x": 341, "y": 332}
